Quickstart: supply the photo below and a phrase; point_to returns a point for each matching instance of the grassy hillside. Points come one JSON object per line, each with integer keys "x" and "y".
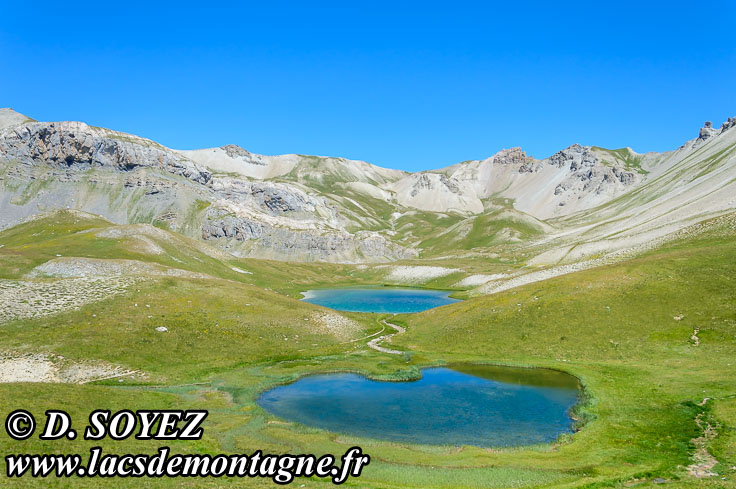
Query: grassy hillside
{"x": 492, "y": 229}
{"x": 626, "y": 330}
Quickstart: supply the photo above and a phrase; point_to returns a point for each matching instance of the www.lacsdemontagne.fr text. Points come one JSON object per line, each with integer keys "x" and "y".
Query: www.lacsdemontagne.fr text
{"x": 283, "y": 469}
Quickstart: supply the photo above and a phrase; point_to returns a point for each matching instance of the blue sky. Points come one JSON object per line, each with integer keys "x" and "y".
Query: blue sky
{"x": 410, "y": 85}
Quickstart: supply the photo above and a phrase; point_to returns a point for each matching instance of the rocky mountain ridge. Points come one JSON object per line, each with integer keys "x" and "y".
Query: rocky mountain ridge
{"x": 306, "y": 208}
{"x": 75, "y": 145}
{"x": 131, "y": 179}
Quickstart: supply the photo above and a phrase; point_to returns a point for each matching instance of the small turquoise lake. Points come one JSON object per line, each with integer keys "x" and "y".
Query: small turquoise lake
{"x": 378, "y": 299}
{"x": 486, "y": 406}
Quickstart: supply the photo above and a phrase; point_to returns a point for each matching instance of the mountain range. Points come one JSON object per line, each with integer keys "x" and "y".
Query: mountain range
{"x": 581, "y": 203}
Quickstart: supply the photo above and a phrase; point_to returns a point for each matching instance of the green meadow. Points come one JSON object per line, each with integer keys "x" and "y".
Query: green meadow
{"x": 652, "y": 339}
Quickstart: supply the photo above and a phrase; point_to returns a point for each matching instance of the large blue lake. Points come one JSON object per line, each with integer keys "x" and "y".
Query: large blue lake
{"x": 379, "y": 299}
{"x": 465, "y": 405}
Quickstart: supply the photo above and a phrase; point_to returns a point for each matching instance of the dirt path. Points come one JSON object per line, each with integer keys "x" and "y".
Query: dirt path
{"x": 374, "y": 343}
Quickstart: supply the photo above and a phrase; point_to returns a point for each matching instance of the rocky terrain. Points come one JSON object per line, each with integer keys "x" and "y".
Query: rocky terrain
{"x": 573, "y": 204}
{"x": 129, "y": 179}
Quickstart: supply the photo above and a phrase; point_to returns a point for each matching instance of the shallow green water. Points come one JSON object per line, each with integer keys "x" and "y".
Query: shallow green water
{"x": 464, "y": 405}
{"x": 379, "y": 299}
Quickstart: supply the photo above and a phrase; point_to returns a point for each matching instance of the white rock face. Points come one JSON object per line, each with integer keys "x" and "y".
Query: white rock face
{"x": 436, "y": 192}
{"x": 233, "y": 159}
{"x": 571, "y": 180}
{"x": 370, "y": 190}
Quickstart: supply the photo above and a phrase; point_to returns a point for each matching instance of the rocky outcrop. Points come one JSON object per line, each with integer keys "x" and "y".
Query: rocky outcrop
{"x": 426, "y": 182}
{"x": 707, "y": 131}
{"x": 274, "y": 199}
{"x": 625, "y": 177}
{"x": 585, "y": 166}
{"x": 731, "y": 122}
{"x": 530, "y": 166}
{"x": 75, "y": 145}
{"x": 422, "y": 183}
{"x": 587, "y": 175}
{"x": 511, "y": 156}
{"x": 235, "y": 151}
{"x": 449, "y": 184}
{"x": 574, "y": 157}
{"x": 263, "y": 240}
{"x": 220, "y": 225}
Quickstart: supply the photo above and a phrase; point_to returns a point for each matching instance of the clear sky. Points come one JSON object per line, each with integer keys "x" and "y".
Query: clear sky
{"x": 410, "y": 85}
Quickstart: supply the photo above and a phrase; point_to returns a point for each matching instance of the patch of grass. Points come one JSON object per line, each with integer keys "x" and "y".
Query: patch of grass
{"x": 631, "y": 161}
{"x": 723, "y": 447}
{"x": 485, "y": 231}
{"x": 201, "y": 205}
